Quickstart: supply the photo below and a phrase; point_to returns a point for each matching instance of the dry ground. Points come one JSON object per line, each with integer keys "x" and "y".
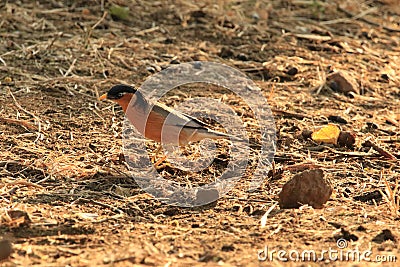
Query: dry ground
{"x": 61, "y": 162}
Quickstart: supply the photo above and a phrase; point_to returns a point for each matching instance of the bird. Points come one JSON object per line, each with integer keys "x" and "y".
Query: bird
{"x": 159, "y": 122}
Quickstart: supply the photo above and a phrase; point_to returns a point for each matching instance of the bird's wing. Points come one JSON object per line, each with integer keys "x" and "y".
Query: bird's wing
{"x": 179, "y": 119}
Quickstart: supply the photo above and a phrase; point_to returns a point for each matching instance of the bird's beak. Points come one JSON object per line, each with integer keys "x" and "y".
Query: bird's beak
{"x": 103, "y": 97}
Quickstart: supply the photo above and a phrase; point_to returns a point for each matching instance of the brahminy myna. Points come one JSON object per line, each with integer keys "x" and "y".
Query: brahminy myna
{"x": 159, "y": 122}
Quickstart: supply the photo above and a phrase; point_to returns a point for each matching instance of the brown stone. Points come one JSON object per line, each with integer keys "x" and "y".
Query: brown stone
{"x": 346, "y": 139}
{"x": 308, "y": 187}
{"x": 5, "y": 249}
{"x": 342, "y": 82}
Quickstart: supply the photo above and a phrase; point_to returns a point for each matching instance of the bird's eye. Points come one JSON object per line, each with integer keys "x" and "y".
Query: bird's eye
{"x": 120, "y": 95}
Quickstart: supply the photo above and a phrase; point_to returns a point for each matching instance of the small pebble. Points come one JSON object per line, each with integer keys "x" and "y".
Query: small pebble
{"x": 255, "y": 16}
{"x": 226, "y": 52}
{"x": 306, "y": 134}
{"x": 338, "y": 119}
{"x": 385, "y": 77}
{"x": 292, "y": 71}
{"x": 242, "y": 57}
{"x": 372, "y": 126}
{"x": 346, "y": 139}
{"x": 151, "y": 69}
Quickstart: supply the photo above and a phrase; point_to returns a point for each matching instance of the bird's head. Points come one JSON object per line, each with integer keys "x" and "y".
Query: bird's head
{"x": 123, "y": 95}
{"x": 118, "y": 92}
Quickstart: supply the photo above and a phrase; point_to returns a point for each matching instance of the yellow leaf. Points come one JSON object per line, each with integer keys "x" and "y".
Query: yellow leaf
{"x": 328, "y": 134}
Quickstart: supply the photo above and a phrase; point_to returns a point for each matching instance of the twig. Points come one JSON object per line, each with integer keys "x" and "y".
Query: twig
{"x": 51, "y": 11}
{"x": 391, "y": 195}
{"x": 249, "y": 200}
{"x": 322, "y": 79}
{"x": 100, "y": 20}
{"x": 145, "y": 31}
{"x": 25, "y": 183}
{"x": 313, "y": 37}
{"x": 2, "y": 61}
{"x": 265, "y": 216}
{"x": 380, "y": 150}
{"x": 360, "y": 17}
{"x": 89, "y": 33}
{"x": 27, "y": 112}
{"x": 22, "y": 123}
{"x": 131, "y": 259}
{"x": 71, "y": 67}
{"x": 53, "y": 40}
{"x": 345, "y": 153}
{"x": 114, "y": 209}
{"x": 20, "y": 107}
{"x": 289, "y": 114}
{"x": 66, "y": 250}
{"x": 44, "y": 179}
{"x": 302, "y": 166}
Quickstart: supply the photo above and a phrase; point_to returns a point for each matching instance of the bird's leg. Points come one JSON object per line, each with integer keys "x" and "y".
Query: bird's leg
{"x": 158, "y": 162}
{"x": 154, "y": 157}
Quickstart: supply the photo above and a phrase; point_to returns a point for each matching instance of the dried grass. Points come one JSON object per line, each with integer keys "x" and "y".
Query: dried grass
{"x": 60, "y": 154}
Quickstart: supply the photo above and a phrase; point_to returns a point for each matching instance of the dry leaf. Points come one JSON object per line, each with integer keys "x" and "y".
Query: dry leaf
{"x": 328, "y": 134}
